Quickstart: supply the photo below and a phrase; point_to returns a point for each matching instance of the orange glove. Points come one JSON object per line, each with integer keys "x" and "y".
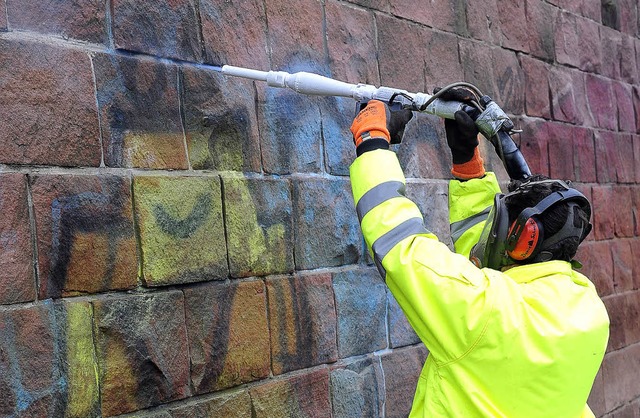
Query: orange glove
{"x": 370, "y": 123}
{"x": 376, "y": 126}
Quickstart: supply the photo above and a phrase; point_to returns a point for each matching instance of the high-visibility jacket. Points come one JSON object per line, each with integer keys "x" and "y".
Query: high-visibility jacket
{"x": 526, "y": 342}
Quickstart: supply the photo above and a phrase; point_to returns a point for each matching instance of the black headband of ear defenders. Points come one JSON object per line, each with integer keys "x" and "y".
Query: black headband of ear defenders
{"x": 491, "y": 249}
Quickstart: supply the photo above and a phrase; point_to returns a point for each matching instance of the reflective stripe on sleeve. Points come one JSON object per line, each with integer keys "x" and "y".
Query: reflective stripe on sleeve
{"x": 386, "y": 242}
{"x": 460, "y": 227}
{"x": 377, "y": 195}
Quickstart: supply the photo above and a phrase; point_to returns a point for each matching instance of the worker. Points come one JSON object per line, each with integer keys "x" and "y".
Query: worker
{"x": 524, "y": 335}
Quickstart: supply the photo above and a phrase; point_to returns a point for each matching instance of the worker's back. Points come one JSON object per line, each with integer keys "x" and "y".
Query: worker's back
{"x": 540, "y": 348}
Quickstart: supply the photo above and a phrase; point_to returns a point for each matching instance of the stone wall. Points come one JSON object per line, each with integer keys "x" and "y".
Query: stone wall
{"x": 177, "y": 243}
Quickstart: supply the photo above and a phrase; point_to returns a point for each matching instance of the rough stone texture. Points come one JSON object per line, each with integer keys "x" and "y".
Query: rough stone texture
{"x": 624, "y": 210}
{"x": 259, "y": 227}
{"x": 541, "y": 19}
{"x": 166, "y": 29}
{"x": 228, "y": 334}
{"x": 220, "y": 121}
{"x": 584, "y": 157}
{"x": 596, "y": 397}
{"x": 300, "y": 395}
{"x": 326, "y": 229}
{"x": 536, "y": 87}
{"x": 139, "y": 113}
{"x": 78, "y": 19}
{"x": 534, "y": 143}
{"x": 3, "y": 16}
{"x": 351, "y": 43}
{"x": 48, "y": 365}
{"x": 510, "y": 93}
{"x": 424, "y": 152}
{"x": 357, "y": 389}
{"x": 603, "y": 220}
{"x": 625, "y": 158}
{"x": 295, "y": 33}
{"x": 400, "y": 331}
{"x": 561, "y": 151}
{"x": 433, "y": 201}
{"x": 337, "y": 116}
{"x": 483, "y": 21}
{"x": 598, "y": 265}
{"x": 401, "y": 370}
{"x": 622, "y": 266}
{"x": 228, "y": 404}
{"x": 606, "y": 156}
{"x": 624, "y": 104}
{"x": 579, "y": 85}
{"x": 302, "y": 321}
{"x": 290, "y": 127}
{"x": 448, "y": 15}
{"x": 181, "y": 228}
{"x": 440, "y": 68}
{"x": 562, "y": 93}
{"x": 577, "y": 42}
{"x": 360, "y": 306}
{"x": 512, "y": 19}
{"x": 141, "y": 346}
{"x": 85, "y": 235}
{"x": 601, "y": 101}
{"x": 17, "y": 276}
{"x": 478, "y": 65}
{"x": 37, "y": 98}
{"x": 620, "y": 370}
{"x": 234, "y": 32}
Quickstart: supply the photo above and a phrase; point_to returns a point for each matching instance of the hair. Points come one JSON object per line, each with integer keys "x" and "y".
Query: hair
{"x": 553, "y": 219}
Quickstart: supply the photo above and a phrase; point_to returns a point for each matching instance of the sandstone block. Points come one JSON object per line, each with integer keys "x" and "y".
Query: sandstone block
{"x": 584, "y": 158}
{"x": 624, "y": 104}
{"x": 351, "y": 43}
{"x": 541, "y": 18}
{"x": 295, "y": 33}
{"x": 300, "y": 395}
{"x": 400, "y": 331}
{"x": 401, "y": 372}
{"x": 611, "y": 52}
{"x": 302, "y": 318}
{"x": 483, "y": 21}
{"x": 606, "y": 156}
{"x": 603, "y": 219}
{"x": 139, "y": 110}
{"x": 221, "y": 126}
{"x": 577, "y": 42}
{"x": 561, "y": 90}
{"x": 433, "y": 201}
{"x": 622, "y": 266}
{"x": 141, "y": 346}
{"x": 597, "y": 260}
{"x": 509, "y": 81}
{"x": 625, "y": 210}
{"x": 583, "y": 117}
{"x": 165, "y": 29}
{"x": 561, "y": 150}
{"x": 47, "y": 367}
{"x": 357, "y": 389}
{"x": 222, "y": 42}
{"x": 17, "y": 276}
{"x": 229, "y": 404}
{"x": 424, "y": 152}
{"x": 514, "y": 32}
{"x": 37, "y": 99}
{"x": 79, "y": 19}
{"x": 588, "y": 8}
{"x": 360, "y": 307}
{"x": 601, "y": 101}
{"x": 3, "y": 16}
{"x": 326, "y": 228}
{"x": 85, "y": 234}
{"x": 536, "y": 81}
{"x": 534, "y": 144}
{"x": 619, "y": 371}
{"x": 477, "y": 63}
{"x": 259, "y": 228}
{"x": 228, "y": 334}
{"x": 181, "y": 229}
{"x": 337, "y": 116}
{"x": 449, "y": 15}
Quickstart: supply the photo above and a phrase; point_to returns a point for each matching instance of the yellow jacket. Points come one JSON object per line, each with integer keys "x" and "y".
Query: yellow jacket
{"x": 526, "y": 342}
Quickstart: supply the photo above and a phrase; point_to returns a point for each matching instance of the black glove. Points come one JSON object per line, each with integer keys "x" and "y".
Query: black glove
{"x": 462, "y": 132}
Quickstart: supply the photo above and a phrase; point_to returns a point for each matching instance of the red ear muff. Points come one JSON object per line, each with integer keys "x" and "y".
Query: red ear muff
{"x": 523, "y": 243}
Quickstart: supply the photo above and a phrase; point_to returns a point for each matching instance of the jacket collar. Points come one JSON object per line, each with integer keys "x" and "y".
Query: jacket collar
{"x": 529, "y": 272}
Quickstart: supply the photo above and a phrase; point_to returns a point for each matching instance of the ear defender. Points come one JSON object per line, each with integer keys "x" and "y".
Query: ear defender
{"x": 524, "y": 239}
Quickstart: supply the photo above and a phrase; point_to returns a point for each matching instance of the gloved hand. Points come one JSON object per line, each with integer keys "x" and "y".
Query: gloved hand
{"x": 462, "y": 138}
{"x": 376, "y": 126}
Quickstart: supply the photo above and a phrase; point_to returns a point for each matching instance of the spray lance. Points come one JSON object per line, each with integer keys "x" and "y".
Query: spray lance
{"x": 491, "y": 120}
